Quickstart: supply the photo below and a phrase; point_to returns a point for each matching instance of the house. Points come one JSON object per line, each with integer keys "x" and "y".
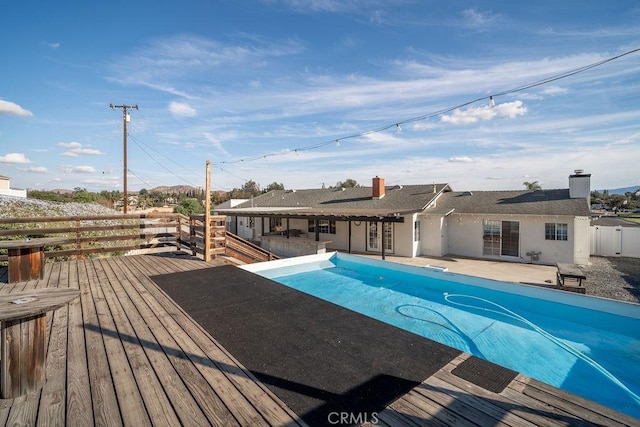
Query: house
{"x": 539, "y": 226}
{"x": 231, "y": 203}
{"x": 6, "y": 190}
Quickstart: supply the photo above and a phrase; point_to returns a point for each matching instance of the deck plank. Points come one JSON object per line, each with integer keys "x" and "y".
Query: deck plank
{"x": 130, "y": 401}
{"x": 53, "y": 400}
{"x": 103, "y": 395}
{"x": 79, "y": 410}
{"x": 151, "y": 334}
{"x": 159, "y": 407}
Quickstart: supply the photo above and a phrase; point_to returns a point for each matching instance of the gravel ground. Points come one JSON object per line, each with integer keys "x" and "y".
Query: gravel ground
{"x": 615, "y": 278}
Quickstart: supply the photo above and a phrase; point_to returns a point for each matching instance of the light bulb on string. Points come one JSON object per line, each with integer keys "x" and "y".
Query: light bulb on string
{"x": 492, "y": 102}
{"x": 398, "y": 128}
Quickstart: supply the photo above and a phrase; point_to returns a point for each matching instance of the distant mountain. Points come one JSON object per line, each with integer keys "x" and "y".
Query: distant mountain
{"x": 623, "y": 190}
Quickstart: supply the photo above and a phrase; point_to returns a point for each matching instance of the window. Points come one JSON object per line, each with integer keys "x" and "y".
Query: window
{"x": 491, "y": 237}
{"x": 275, "y": 224}
{"x": 324, "y": 226}
{"x": 553, "y": 231}
{"x": 416, "y": 231}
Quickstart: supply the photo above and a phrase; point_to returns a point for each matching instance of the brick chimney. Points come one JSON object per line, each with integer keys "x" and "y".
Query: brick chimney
{"x": 378, "y": 187}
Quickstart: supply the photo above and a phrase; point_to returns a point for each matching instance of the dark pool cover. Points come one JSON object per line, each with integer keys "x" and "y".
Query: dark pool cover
{"x": 319, "y": 358}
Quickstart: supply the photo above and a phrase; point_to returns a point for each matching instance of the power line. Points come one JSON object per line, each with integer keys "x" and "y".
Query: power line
{"x": 397, "y": 124}
{"x": 199, "y": 176}
{"x": 163, "y": 166}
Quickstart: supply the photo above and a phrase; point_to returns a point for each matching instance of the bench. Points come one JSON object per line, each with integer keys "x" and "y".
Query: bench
{"x": 23, "y": 335}
{"x": 570, "y": 271}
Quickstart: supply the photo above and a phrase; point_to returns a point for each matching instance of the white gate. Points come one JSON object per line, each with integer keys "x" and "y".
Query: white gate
{"x": 615, "y": 241}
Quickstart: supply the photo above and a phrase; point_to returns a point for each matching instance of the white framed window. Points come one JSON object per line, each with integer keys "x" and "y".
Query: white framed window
{"x": 324, "y": 226}
{"x": 556, "y": 231}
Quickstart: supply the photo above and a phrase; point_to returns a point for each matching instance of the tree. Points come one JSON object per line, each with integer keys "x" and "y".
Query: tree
{"x": 348, "y": 183}
{"x": 248, "y": 190}
{"x": 189, "y": 207}
{"x": 532, "y": 185}
{"x": 81, "y": 195}
{"x": 273, "y": 186}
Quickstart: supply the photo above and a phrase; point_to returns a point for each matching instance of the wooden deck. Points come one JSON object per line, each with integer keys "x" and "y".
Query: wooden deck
{"x": 125, "y": 354}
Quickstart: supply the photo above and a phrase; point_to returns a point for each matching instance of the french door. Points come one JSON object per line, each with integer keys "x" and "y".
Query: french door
{"x": 374, "y": 236}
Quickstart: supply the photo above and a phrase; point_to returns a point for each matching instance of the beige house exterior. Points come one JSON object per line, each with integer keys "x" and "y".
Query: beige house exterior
{"x": 6, "y": 190}
{"x": 539, "y": 226}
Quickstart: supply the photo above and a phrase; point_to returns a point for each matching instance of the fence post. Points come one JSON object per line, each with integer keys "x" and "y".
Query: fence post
{"x": 192, "y": 235}
{"x": 207, "y": 214}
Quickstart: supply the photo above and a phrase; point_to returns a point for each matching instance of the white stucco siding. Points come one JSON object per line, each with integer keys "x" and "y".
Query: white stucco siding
{"x": 403, "y": 237}
{"x": 465, "y": 237}
{"x": 433, "y": 235}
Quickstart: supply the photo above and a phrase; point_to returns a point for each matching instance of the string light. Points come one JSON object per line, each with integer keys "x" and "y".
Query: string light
{"x": 398, "y": 128}
{"x": 490, "y": 99}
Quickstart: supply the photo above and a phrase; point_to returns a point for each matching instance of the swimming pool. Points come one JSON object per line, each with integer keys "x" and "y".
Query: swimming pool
{"x": 585, "y": 345}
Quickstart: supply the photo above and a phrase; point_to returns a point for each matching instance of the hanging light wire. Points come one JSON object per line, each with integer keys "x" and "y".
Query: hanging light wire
{"x": 396, "y": 125}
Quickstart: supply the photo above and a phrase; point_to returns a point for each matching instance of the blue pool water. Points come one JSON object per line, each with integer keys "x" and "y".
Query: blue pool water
{"x": 560, "y": 340}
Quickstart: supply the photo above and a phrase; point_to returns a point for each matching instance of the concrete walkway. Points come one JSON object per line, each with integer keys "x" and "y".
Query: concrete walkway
{"x": 497, "y": 270}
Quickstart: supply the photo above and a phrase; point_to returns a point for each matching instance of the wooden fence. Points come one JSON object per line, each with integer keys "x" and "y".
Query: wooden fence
{"x": 100, "y": 233}
{"x": 119, "y": 234}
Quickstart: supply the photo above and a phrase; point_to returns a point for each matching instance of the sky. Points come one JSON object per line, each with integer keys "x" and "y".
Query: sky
{"x": 308, "y": 93}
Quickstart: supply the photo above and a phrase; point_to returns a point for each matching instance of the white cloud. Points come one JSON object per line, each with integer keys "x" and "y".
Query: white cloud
{"x": 475, "y": 114}
{"x": 460, "y": 159}
{"x": 77, "y": 169}
{"x": 76, "y": 149}
{"x": 215, "y": 142}
{"x": 474, "y": 18}
{"x": 55, "y": 45}
{"x": 181, "y": 109}
{"x": 37, "y": 169}
{"x": 14, "y": 158}
{"x": 13, "y": 109}
{"x": 554, "y": 90}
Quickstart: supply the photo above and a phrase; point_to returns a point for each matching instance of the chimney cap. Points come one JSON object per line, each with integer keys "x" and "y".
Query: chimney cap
{"x": 579, "y": 171}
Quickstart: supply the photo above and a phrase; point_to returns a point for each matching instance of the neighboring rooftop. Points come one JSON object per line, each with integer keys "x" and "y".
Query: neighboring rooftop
{"x": 613, "y": 221}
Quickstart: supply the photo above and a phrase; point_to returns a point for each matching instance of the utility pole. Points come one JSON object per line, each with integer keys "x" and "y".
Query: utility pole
{"x": 125, "y": 119}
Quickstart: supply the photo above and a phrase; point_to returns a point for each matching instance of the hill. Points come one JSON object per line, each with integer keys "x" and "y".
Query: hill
{"x": 623, "y": 190}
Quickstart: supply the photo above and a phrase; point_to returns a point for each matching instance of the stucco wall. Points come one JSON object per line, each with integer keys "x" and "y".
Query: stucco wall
{"x": 465, "y": 238}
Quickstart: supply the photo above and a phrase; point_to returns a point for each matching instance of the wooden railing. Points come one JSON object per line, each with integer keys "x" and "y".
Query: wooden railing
{"x": 100, "y": 233}
{"x": 217, "y": 226}
{"x": 223, "y": 242}
{"x": 246, "y": 251}
{"x": 119, "y": 234}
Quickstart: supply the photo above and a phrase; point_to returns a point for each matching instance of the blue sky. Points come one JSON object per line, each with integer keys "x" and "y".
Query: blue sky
{"x": 253, "y": 86}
